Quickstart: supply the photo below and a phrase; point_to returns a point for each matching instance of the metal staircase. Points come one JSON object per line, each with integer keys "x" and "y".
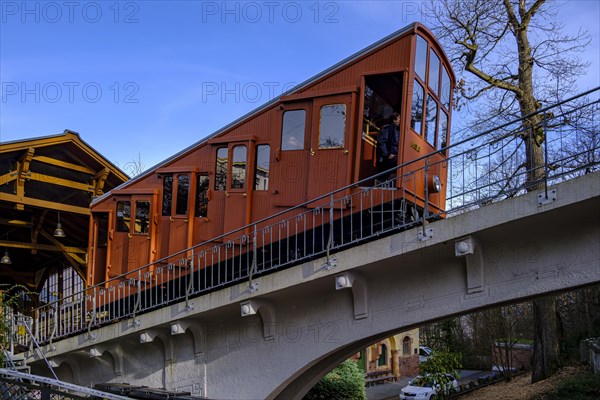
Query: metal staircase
{"x": 15, "y": 385}
{"x": 16, "y": 380}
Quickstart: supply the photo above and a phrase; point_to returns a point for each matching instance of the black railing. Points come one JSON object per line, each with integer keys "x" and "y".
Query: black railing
{"x": 489, "y": 166}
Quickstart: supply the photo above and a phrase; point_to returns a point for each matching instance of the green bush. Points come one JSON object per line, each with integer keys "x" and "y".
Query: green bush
{"x": 584, "y": 386}
{"x": 345, "y": 382}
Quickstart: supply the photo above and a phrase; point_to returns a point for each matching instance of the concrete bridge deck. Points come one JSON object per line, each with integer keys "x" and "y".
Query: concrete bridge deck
{"x": 278, "y": 341}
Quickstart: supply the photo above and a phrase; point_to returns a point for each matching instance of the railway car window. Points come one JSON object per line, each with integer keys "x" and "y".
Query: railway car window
{"x": 331, "y": 126}
{"x": 238, "y": 167}
{"x": 445, "y": 96}
{"x": 434, "y": 72}
{"x": 183, "y": 190}
{"x": 292, "y": 131}
{"x": 421, "y": 57}
{"x": 142, "y": 211}
{"x": 221, "y": 169}
{"x": 261, "y": 170}
{"x": 167, "y": 200}
{"x": 442, "y": 130}
{"x": 123, "y": 216}
{"x": 416, "y": 109}
{"x": 201, "y": 196}
{"x": 430, "y": 120}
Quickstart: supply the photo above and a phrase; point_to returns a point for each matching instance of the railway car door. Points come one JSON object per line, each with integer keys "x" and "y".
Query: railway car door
{"x": 141, "y": 231}
{"x": 99, "y": 247}
{"x": 131, "y": 239}
{"x": 329, "y": 161}
{"x": 230, "y": 200}
{"x": 290, "y": 172}
{"x": 119, "y": 238}
{"x": 237, "y": 196}
{"x": 382, "y": 96}
{"x": 175, "y": 220}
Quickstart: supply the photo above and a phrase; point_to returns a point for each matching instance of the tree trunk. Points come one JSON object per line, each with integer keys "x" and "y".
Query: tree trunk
{"x": 546, "y": 352}
{"x": 534, "y": 160}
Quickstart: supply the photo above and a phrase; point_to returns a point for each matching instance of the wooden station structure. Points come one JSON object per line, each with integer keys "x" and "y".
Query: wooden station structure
{"x": 48, "y": 183}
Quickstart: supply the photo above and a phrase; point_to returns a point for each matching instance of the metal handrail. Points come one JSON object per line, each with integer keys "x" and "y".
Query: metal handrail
{"x": 302, "y": 232}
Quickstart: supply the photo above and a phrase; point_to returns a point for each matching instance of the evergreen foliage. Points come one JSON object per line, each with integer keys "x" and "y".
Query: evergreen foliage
{"x": 345, "y": 382}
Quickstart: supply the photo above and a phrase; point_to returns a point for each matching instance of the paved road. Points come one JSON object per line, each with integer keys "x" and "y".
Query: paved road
{"x": 388, "y": 391}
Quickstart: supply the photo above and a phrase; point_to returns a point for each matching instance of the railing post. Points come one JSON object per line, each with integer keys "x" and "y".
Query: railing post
{"x": 251, "y": 285}
{"x": 426, "y": 205}
{"x": 545, "y": 128}
{"x": 189, "y": 276}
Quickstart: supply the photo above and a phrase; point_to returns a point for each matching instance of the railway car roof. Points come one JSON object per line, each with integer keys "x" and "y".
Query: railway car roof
{"x": 347, "y": 61}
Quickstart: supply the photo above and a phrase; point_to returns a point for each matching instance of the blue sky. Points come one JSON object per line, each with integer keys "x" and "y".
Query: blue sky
{"x": 150, "y": 78}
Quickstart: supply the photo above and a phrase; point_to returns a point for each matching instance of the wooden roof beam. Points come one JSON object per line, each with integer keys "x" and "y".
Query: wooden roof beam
{"x": 8, "y": 177}
{"x": 24, "y": 200}
{"x": 61, "y": 182}
{"x": 75, "y": 261}
{"x": 15, "y": 222}
{"x": 24, "y": 163}
{"x": 43, "y": 247}
{"x": 100, "y": 180}
{"x": 36, "y": 230}
{"x": 23, "y": 170}
{"x": 64, "y": 164}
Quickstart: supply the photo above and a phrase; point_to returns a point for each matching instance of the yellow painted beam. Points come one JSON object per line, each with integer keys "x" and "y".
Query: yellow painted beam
{"x": 64, "y": 139}
{"x": 20, "y": 186}
{"x": 43, "y": 247}
{"x": 24, "y": 200}
{"x": 8, "y": 177}
{"x": 64, "y": 164}
{"x": 61, "y": 182}
{"x": 38, "y": 227}
{"x": 15, "y": 222}
{"x": 24, "y": 164}
{"x": 75, "y": 261}
{"x": 100, "y": 179}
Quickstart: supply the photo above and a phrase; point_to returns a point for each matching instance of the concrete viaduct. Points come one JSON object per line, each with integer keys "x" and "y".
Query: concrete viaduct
{"x": 278, "y": 341}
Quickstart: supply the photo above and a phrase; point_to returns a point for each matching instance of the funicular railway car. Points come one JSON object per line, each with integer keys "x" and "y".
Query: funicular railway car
{"x": 320, "y": 136}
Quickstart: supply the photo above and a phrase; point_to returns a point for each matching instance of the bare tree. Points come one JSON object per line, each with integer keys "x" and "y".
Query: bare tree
{"x": 515, "y": 58}
{"x": 135, "y": 166}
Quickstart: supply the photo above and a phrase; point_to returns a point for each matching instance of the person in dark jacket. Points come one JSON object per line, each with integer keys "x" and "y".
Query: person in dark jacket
{"x": 387, "y": 146}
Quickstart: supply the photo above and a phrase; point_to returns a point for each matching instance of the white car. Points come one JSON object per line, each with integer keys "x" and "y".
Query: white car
{"x": 424, "y": 353}
{"x": 419, "y": 388}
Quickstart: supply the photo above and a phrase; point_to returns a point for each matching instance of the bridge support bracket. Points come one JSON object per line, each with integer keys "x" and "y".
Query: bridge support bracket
{"x": 267, "y": 314}
{"x": 469, "y": 248}
{"x": 547, "y": 197}
{"x": 195, "y": 328}
{"x": 115, "y": 351}
{"x": 350, "y": 280}
{"x": 425, "y": 234}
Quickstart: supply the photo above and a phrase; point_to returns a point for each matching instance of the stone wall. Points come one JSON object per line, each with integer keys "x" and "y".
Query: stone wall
{"x": 519, "y": 354}
{"x": 409, "y": 366}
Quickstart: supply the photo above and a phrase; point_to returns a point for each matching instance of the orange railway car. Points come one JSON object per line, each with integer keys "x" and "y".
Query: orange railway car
{"x": 314, "y": 139}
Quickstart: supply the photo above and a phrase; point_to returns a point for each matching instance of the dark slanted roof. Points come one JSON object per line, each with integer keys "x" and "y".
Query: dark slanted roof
{"x": 40, "y": 177}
